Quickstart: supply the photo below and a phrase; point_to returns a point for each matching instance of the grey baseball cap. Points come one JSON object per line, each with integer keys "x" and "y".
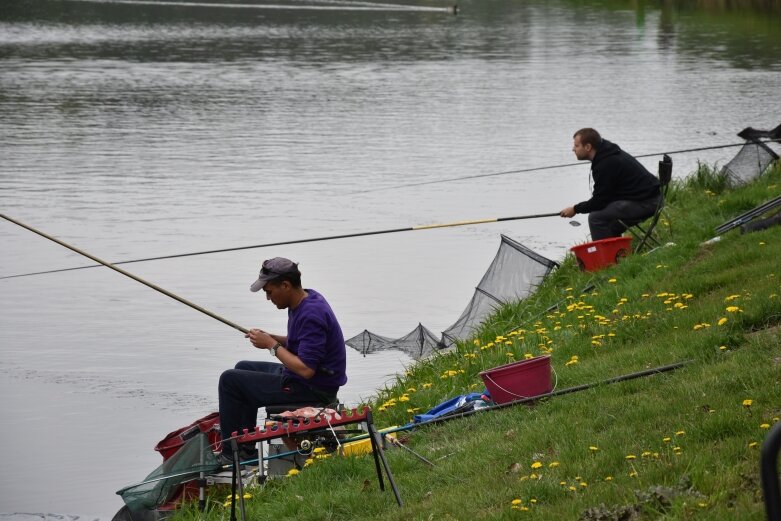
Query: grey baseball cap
{"x": 272, "y": 269}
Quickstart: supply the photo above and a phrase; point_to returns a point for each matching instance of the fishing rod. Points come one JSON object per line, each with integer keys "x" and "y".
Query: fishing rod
{"x": 128, "y": 274}
{"x": 521, "y": 401}
{"x": 549, "y": 167}
{"x": 300, "y": 241}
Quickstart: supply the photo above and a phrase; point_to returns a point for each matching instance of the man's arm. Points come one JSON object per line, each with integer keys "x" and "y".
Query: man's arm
{"x": 263, "y": 340}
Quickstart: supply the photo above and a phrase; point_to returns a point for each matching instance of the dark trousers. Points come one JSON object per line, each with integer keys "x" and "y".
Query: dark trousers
{"x": 604, "y": 223}
{"x": 251, "y": 385}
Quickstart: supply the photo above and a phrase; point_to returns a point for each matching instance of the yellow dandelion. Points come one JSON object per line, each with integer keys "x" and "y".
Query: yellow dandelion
{"x": 612, "y": 281}
{"x": 680, "y": 433}
{"x": 722, "y": 321}
{"x": 293, "y": 472}
{"x": 733, "y": 309}
{"x": 630, "y": 457}
{"x": 633, "y": 474}
{"x": 516, "y": 501}
{"x": 748, "y": 403}
{"x": 764, "y": 426}
{"x": 722, "y": 348}
{"x": 608, "y": 478}
{"x": 554, "y": 464}
{"x": 593, "y": 448}
{"x": 536, "y": 465}
{"x": 752, "y": 445}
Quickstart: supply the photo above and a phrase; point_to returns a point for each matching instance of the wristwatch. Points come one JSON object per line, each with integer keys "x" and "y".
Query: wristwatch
{"x": 274, "y": 348}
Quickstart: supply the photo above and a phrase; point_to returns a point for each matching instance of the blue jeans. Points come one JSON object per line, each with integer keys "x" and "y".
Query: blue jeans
{"x": 604, "y": 224}
{"x": 251, "y": 385}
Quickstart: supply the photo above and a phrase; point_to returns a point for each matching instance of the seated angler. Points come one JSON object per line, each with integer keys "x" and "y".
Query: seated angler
{"x": 623, "y": 189}
{"x": 311, "y": 358}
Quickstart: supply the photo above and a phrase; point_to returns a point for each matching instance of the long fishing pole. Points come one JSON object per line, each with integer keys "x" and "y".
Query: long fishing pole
{"x": 549, "y": 167}
{"x": 300, "y": 241}
{"x": 127, "y": 274}
{"x": 521, "y": 401}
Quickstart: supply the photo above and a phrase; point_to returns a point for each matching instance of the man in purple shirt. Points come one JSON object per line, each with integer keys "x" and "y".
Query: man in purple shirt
{"x": 312, "y": 357}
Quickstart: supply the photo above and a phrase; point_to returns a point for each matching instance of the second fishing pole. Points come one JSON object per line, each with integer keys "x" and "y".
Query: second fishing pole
{"x": 301, "y": 241}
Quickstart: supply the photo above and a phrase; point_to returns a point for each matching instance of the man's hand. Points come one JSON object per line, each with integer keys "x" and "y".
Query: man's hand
{"x": 568, "y": 212}
{"x": 260, "y": 339}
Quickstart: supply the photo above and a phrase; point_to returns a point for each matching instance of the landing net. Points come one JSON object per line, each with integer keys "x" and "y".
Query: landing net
{"x": 164, "y": 482}
{"x": 513, "y": 275}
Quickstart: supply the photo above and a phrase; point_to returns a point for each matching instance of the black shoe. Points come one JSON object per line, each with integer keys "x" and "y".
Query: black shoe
{"x": 225, "y": 460}
{"x": 248, "y": 455}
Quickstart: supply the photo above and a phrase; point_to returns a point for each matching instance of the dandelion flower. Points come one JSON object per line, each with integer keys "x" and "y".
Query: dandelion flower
{"x": 722, "y": 321}
{"x": 516, "y": 501}
{"x": 536, "y": 465}
{"x": 748, "y": 403}
{"x": 554, "y": 464}
{"x": 612, "y": 281}
{"x": 733, "y": 309}
{"x": 680, "y": 433}
{"x": 752, "y": 445}
{"x": 593, "y": 448}
{"x": 764, "y": 426}
{"x": 608, "y": 478}
{"x": 292, "y": 472}
{"x": 630, "y": 457}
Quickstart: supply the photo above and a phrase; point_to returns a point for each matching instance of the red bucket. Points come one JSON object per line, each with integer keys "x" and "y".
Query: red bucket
{"x": 596, "y": 255}
{"x": 518, "y": 380}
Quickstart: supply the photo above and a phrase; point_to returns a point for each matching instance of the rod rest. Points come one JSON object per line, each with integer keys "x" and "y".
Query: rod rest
{"x": 289, "y": 427}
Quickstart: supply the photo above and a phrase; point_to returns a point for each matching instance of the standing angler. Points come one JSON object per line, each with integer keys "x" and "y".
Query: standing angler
{"x": 311, "y": 357}
{"x": 623, "y": 189}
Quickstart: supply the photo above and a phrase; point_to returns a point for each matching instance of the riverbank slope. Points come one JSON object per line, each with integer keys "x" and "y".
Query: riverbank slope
{"x": 679, "y": 445}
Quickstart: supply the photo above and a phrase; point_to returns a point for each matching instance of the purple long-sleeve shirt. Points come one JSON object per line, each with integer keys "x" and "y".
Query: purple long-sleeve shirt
{"x": 314, "y": 335}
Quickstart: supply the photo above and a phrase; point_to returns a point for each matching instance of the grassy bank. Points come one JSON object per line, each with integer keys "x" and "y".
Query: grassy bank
{"x": 679, "y": 445}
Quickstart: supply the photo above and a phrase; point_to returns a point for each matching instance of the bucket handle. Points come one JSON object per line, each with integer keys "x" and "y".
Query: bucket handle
{"x": 555, "y": 384}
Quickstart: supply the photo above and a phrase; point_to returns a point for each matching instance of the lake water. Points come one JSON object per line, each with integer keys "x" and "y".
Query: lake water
{"x": 133, "y": 130}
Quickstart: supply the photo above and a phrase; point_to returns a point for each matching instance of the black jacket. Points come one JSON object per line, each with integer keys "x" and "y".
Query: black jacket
{"x": 617, "y": 177}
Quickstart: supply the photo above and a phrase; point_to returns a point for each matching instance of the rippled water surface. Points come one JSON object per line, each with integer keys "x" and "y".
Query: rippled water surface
{"x": 133, "y": 130}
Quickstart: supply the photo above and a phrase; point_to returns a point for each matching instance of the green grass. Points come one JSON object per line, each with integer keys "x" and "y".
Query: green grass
{"x": 673, "y": 446}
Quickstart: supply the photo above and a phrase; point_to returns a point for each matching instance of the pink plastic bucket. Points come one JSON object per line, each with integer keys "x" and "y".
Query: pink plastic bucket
{"x": 518, "y": 380}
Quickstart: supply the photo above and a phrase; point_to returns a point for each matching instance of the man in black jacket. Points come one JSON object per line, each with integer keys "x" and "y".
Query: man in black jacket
{"x": 623, "y": 189}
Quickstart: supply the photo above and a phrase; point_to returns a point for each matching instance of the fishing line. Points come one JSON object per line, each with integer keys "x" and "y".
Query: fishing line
{"x": 128, "y": 274}
{"x": 540, "y": 168}
{"x": 340, "y": 6}
{"x": 298, "y": 241}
